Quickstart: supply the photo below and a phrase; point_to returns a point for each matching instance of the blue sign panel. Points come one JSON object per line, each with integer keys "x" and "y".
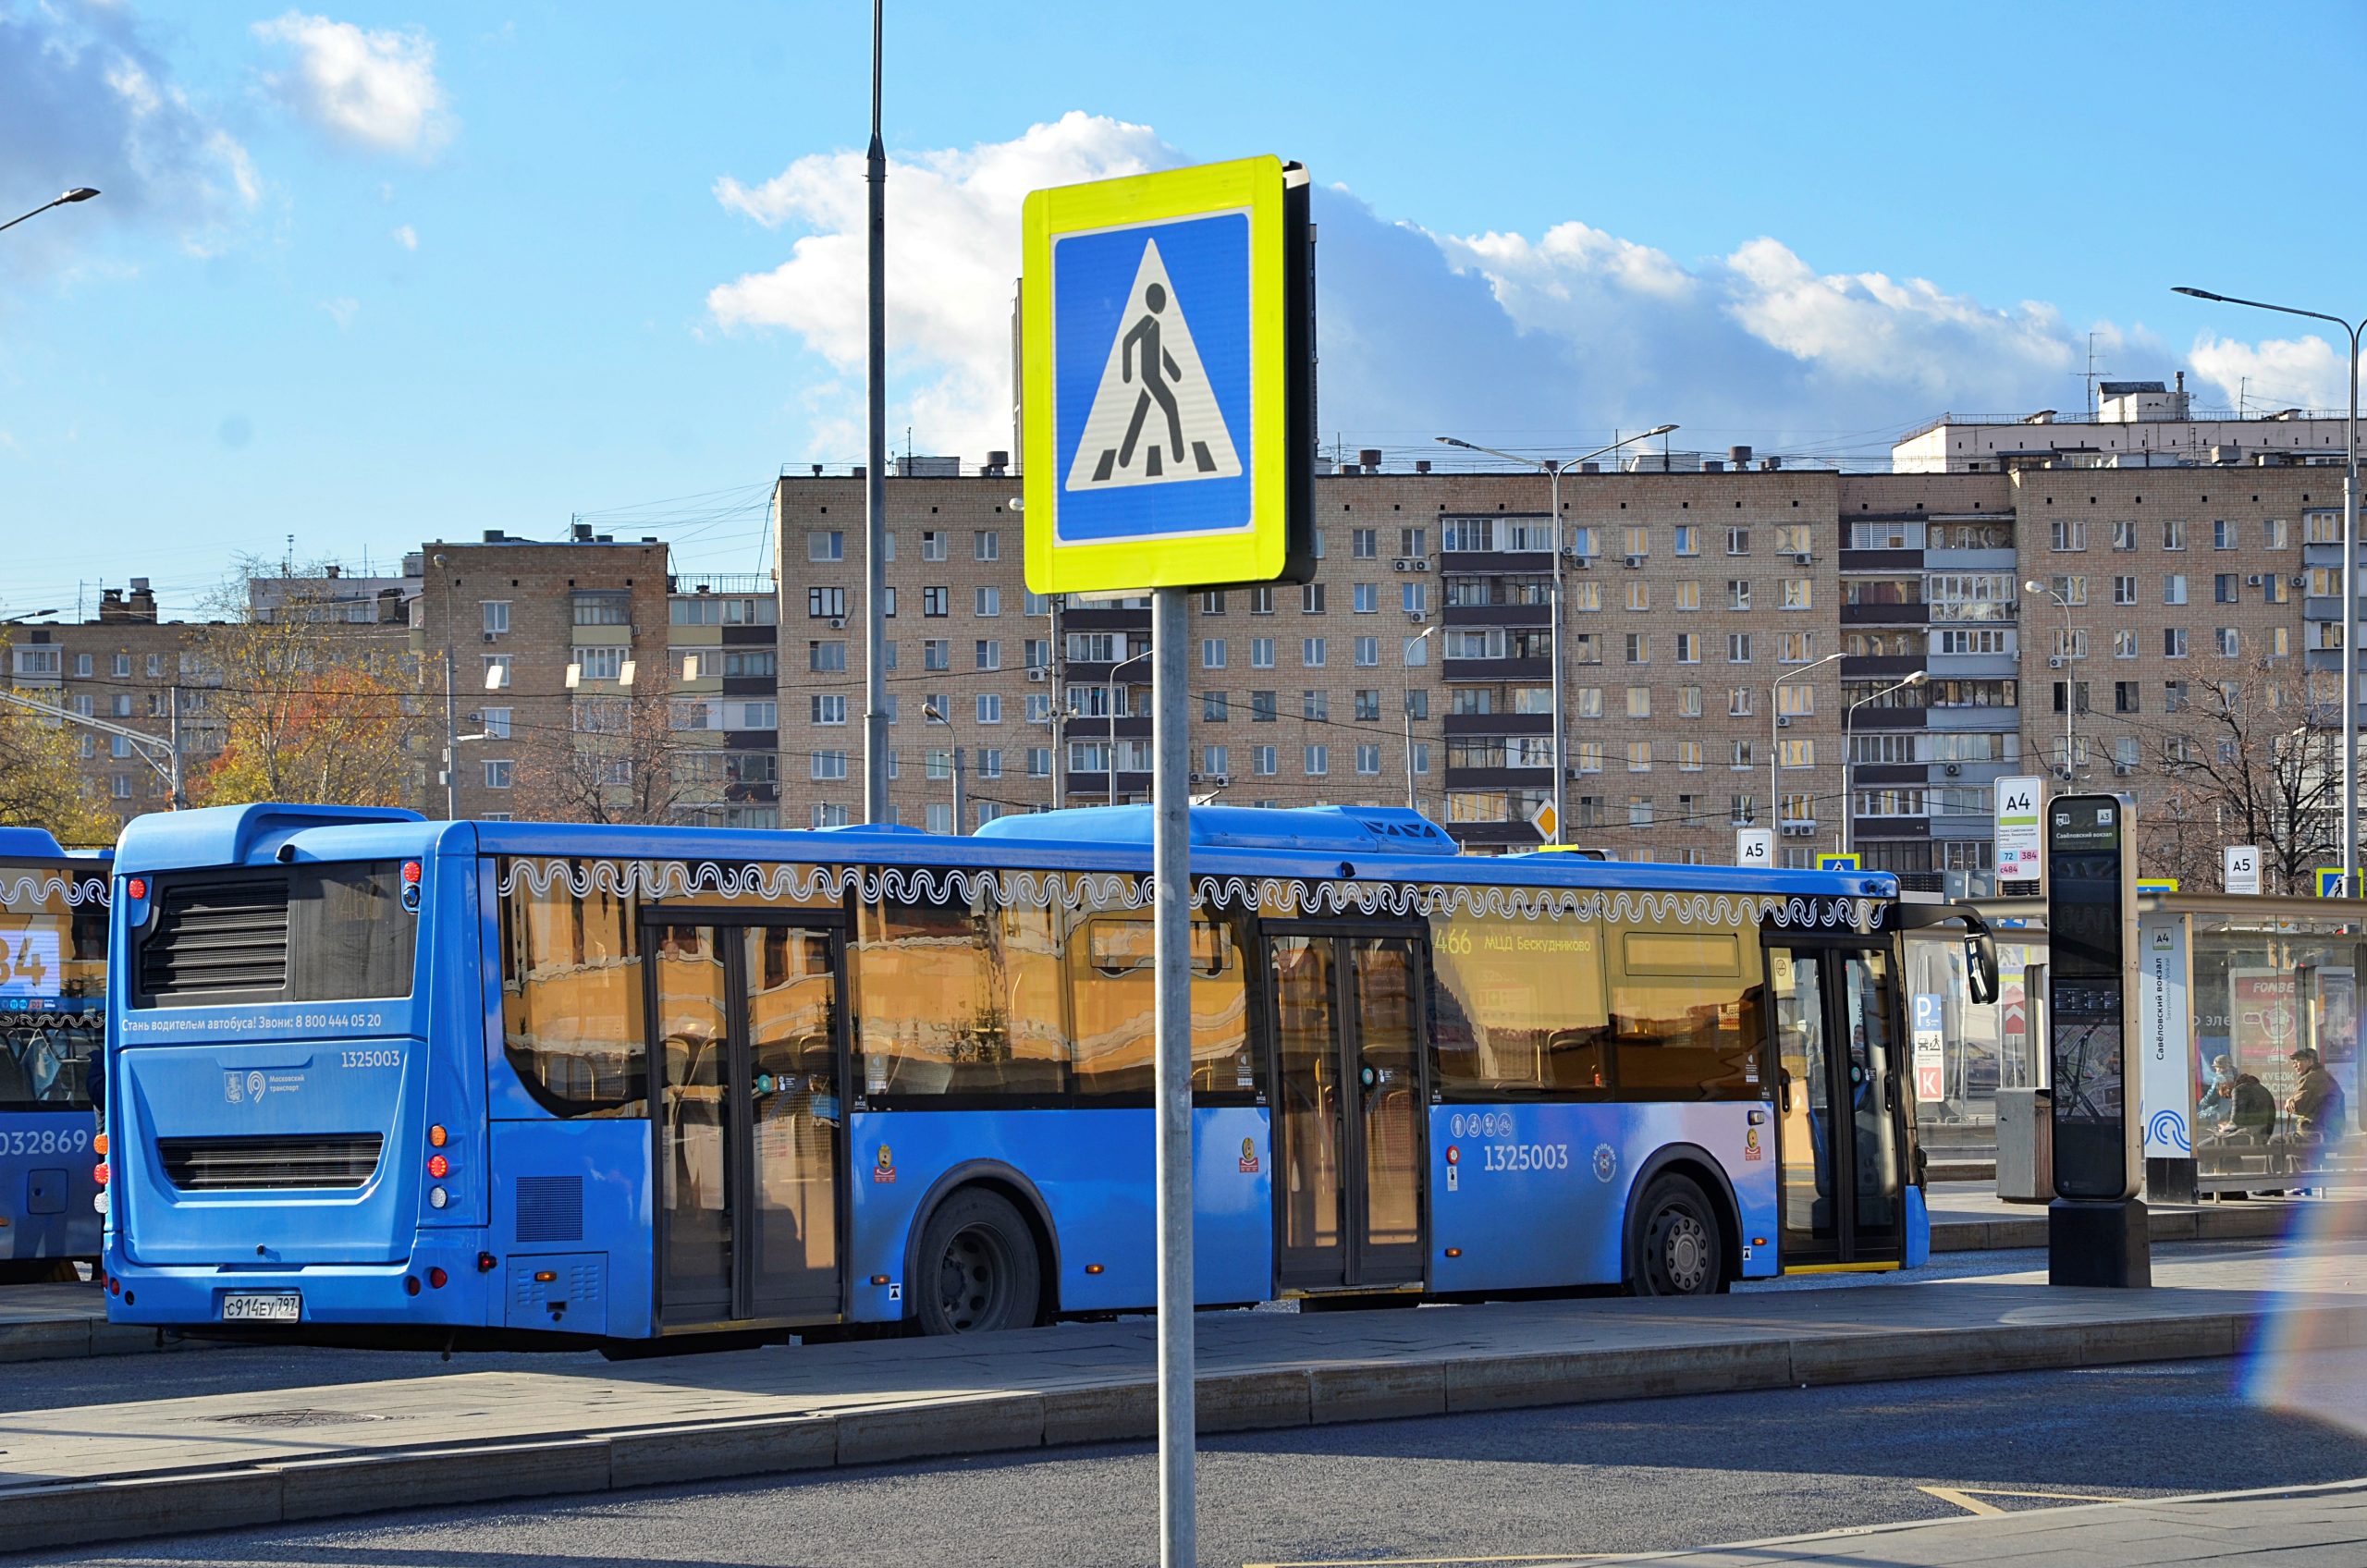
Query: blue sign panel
{"x": 1151, "y": 373}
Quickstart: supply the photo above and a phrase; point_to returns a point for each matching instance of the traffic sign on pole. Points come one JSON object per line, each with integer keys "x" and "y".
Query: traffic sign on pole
{"x": 1167, "y": 419}
{"x": 1168, "y": 391}
{"x": 1755, "y": 846}
{"x": 1838, "y": 862}
{"x": 2239, "y": 868}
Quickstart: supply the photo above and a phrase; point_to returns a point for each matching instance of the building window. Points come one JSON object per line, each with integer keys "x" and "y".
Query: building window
{"x": 985, "y": 545}
{"x": 1263, "y": 708}
{"x": 497, "y": 672}
{"x": 2174, "y": 588}
{"x": 2124, "y": 534}
{"x": 1688, "y": 647}
{"x": 1368, "y": 598}
{"x": 1368, "y": 759}
{"x": 1414, "y": 598}
{"x": 1039, "y": 761}
{"x": 826, "y": 657}
{"x": 1797, "y": 594}
{"x": 496, "y": 616}
{"x": 1639, "y": 811}
{"x": 2173, "y": 534}
{"x": 1737, "y": 647}
{"x": 1737, "y": 541}
{"x": 1310, "y": 597}
{"x": 1639, "y": 648}
{"x": 1367, "y": 651}
{"x": 2069, "y": 534}
{"x": 1263, "y": 761}
{"x": 1364, "y": 545}
{"x": 830, "y": 709}
{"x": 986, "y": 601}
{"x": 829, "y": 765}
{"x": 937, "y": 602}
{"x": 825, "y": 545}
{"x": 1640, "y": 702}
{"x": 2228, "y": 642}
{"x": 986, "y": 653}
{"x": 989, "y": 707}
{"x": 1315, "y": 705}
{"x": 1261, "y": 653}
{"x": 1312, "y": 652}
{"x": 1319, "y": 761}
{"x": 1215, "y": 760}
{"x": 1212, "y": 651}
{"x": 1737, "y": 594}
{"x": 823, "y": 604}
{"x": 497, "y": 773}
{"x": 932, "y": 544}
{"x": 1214, "y": 708}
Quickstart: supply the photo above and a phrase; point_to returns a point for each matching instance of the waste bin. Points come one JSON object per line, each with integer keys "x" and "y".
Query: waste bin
{"x": 2026, "y": 1146}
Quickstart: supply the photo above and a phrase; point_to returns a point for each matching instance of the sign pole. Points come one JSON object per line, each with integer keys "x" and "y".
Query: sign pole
{"x": 1172, "y": 928}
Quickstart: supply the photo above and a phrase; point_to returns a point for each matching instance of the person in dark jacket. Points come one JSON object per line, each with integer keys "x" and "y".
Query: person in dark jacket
{"x": 2253, "y": 1112}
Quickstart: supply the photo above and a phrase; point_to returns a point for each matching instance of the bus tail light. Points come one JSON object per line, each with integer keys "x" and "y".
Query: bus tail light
{"x": 410, "y": 1284}
{"x": 487, "y": 1263}
{"x": 411, "y": 871}
{"x": 99, "y": 1144}
{"x": 99, "y": 1173}
{"x": 438, "y": 1167}
{"x": 115, "y": 1286}
{"x": 546, "y": 1276}
{"x": 437, "y": 1137}
{"x": 137, "y": 886}
{"x": 436, "y": 1277}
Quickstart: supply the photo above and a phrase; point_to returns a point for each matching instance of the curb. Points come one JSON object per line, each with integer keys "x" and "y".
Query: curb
{"x": 2219, "y": 1222}
{"x": 589, "y": 1463}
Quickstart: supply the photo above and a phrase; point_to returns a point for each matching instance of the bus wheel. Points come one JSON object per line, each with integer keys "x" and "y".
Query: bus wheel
{"x": 978, "y": 1271}
{"x": 1679, "y": 1251}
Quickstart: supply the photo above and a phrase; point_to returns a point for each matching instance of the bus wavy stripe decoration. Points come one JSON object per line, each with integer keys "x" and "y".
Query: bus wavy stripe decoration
{"x": 29, "y": 889}
{"x": 785, "y": 882}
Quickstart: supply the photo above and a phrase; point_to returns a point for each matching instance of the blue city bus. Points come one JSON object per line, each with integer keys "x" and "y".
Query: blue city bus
{"x": 53, "y": 999}
{"x": 476, "y": 1082}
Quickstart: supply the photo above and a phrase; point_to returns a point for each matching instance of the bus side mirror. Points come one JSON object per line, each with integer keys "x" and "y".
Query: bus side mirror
{"x": 1981, "y": 960}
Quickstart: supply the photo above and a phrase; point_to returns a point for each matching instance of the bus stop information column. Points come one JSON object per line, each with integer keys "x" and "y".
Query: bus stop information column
{"x": 2096, "y": 1227}
{"x": 1167, "y": 378}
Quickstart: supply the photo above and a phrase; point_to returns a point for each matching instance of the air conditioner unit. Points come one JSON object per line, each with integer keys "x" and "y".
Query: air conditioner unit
{"x": 1798, "y": 830}
{"x": 1038, "y": 672}
{"x": 2056, "y": 661}
{"x": 1953, "y": 770}
{"x": 1782, "y": 721}
{"x": 2123, "y": 769}
{"x": 1418, "y": 616}
{"x": 1400, "y": 564}
{"x": 1583, "y": 563}
{"x": 2253, "y": 581}
{"x": 1635, "y": 562}
{"x": 491, "y": 635}
{"x": 838, "y": 623}
{"x": 1803, "y": 558}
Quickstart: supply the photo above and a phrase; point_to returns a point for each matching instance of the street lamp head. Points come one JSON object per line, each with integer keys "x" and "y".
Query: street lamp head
{"x": 932, "y": 714}
{"x": 1657, "y": 430}
{"x": 2198, "y": 293}
{"x": 2032, "y": 585}
{"x": 80, "y": 193}
{"x": 1918, "y": 677}
{"x": 1451, "y": 441}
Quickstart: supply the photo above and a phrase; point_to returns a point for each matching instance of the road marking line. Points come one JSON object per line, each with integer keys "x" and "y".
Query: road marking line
{"x": 1428, "y": 1562}
{"x": 1969, "y": 1497}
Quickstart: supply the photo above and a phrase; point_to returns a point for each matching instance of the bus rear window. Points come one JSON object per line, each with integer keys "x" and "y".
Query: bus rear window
{"x": 297, "y": 934}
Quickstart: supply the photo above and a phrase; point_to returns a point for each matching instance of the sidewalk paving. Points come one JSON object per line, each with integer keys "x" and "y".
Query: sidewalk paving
{"x": 175, "y": 1466}
{"x": 2273, "y": 1529}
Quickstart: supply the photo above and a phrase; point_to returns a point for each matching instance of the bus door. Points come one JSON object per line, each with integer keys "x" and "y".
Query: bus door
{"x": 1350, "y": 1109}
{"x": 749, "y": 1023}
{"x": 1841, "y": 1116}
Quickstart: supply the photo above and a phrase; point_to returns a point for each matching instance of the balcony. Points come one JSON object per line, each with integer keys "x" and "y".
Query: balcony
{"x": 1886, "y": 615}
{"x": 1498, "y": 615}
{"x": 1881, "y": 667}
{"x": 1882, "y": 560}
{"x": 1871, "y": 717}
{"x": 1528, "y": 670}
{"x": 1459, "y": 724}
{"x": 1498, "y": 778}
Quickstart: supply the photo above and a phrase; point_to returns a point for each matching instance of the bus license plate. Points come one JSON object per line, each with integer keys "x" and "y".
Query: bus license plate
{"x": 259, "y": 1308}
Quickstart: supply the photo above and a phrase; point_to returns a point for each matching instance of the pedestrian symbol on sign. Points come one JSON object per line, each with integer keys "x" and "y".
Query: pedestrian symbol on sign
{"x": 1153, "y": 368}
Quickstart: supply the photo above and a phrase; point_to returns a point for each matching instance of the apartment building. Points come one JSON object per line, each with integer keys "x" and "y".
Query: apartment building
{"x": 556, "y": 651}
{"x": 2133, "y": 424}
{"x": 1743, "y": 646}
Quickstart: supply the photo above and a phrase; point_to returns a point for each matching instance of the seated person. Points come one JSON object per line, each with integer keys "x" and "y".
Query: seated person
{"x": 2219, "y": 1100}
{"x": 2252, "y": 1114}
{"x": 2317, "y": 1104}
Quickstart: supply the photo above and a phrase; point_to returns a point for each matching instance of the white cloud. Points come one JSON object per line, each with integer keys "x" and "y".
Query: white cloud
{"x": 82, "y": 92}
{"x": 377, "y": 89}
{"x": 1530, "y": 341}
{"x": 406, "y": 237}
{"x": 342, "y": 310}
{"x": 952, "y": 260}
{"x": 2306, "y": 372}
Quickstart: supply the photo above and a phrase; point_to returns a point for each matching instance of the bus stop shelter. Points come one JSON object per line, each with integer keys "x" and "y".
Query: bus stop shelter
{"x": 2229, "y": 987}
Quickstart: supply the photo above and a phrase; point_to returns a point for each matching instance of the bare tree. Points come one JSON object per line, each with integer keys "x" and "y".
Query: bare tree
{"x": 2251, "y": 758}
{"x": 42, "y": 783}
{"x": 619, "y": 760}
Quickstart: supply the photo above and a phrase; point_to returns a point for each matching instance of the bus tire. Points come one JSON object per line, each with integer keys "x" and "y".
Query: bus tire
{"x": 1679, "y": 1247}
{"x": 978, "y": 1269}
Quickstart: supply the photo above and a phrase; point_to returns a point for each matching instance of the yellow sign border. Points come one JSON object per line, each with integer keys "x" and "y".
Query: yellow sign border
{"x": 1854, "y": 862}
{"x": 1255, "y": 555}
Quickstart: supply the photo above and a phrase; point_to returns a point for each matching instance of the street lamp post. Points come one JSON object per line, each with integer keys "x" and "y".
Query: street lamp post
{"x": 1849, "y": 718}
{"x": 1405, "y": 661}
{"x": 2350, "y": 578}
{"x": 1554, "y": 469}
{"x": 1775, "y": 727}
{"x": 80, "y": 193}
{"x": 1110, "y": 686}
{"x": 2070, "y": 687}
{"x": 932, "y": 714}
{"x": 166, "y": 758}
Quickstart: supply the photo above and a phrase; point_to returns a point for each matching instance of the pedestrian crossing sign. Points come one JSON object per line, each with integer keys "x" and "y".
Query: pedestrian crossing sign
{"x": 1165, "y": 327}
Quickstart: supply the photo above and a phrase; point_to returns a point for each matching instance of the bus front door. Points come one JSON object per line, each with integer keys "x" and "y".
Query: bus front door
{"x": 1350, "y": 1113}
{"x": 1841, "y": 1130}
{"x": 751, "y": 1032}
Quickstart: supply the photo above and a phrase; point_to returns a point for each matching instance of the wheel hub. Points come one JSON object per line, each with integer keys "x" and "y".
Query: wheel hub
{"x": 1684, "y": 1250}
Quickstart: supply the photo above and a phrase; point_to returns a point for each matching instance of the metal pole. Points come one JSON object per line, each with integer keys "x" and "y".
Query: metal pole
{"x": 173, "y": 739}
{"x": 959, "y": 814}
{"x": 2350, "y": 633}
{"x": 1561, "y": 774}
{"x": 874, "y": 473}
{"x": 451, "y": 727}
{"x": 1170, "y": 877}
{"x": 1059, "y": 662}
{"x": 1110, "y": 696}
{"x": 1408, "y": 705}
{"x": 1848, "y": 806}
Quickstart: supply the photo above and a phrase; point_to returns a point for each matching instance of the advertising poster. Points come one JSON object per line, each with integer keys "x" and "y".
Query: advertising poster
{"x": 1931, "y": 1050}
{"x": 2264, "y": 1021}
{"x": 2165, "y": 1074}
{"x": 30, "y": 966}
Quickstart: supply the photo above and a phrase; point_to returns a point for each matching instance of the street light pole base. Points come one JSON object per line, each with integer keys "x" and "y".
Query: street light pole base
{"x": 2109, "y": 1244}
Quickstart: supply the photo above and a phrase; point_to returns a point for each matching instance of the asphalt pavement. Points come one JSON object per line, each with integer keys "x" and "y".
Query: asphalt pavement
{"x": 1534, "y": 1484}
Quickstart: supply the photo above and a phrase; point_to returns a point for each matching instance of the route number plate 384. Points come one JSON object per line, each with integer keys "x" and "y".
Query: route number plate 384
{"x": 258, "y": 1307}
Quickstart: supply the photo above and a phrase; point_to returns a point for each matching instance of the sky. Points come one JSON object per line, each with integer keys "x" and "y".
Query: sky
{"x": 378, "y": 274}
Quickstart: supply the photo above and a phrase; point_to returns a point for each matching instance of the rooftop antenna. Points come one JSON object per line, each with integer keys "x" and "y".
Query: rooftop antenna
{"x": 2095, "y": 409}
{"x": 288, "y": 561}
